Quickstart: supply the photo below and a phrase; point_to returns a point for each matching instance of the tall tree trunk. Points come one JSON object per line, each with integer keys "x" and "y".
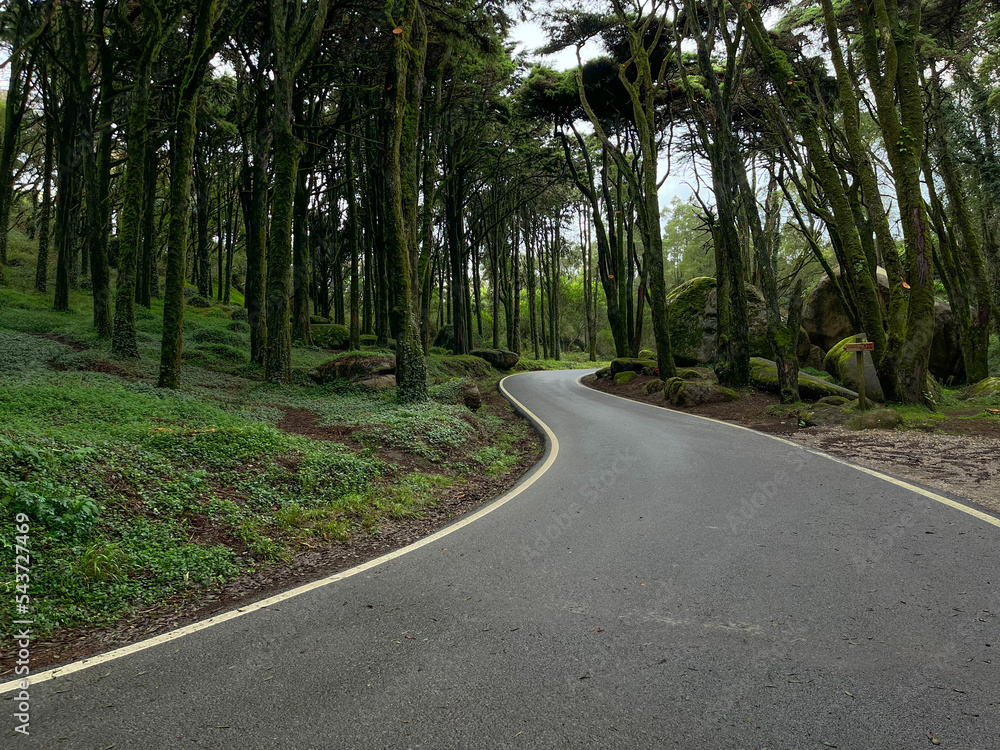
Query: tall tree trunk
{"x": 44, "y": 215}
{"x": 182, "y": 156}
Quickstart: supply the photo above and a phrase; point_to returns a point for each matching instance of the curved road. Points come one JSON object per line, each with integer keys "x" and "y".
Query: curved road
{"x": 667, "y": 581}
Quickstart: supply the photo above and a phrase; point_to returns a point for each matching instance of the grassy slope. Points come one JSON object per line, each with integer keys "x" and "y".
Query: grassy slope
{"x": 137, "y": 494}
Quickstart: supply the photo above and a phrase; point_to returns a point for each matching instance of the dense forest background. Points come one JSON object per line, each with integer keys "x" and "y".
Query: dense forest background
{"x": 354, "y": 172}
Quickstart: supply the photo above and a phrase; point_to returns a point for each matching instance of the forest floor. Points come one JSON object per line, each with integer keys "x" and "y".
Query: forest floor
{"x": 151, "y": 508}
{"x": 955, "y": 449}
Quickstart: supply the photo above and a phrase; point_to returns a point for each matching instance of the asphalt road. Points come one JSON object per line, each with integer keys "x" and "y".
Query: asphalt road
{"x": 667, "y": 582}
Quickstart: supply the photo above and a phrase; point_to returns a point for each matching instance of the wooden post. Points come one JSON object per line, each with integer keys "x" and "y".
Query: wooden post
{"x": 860, "y": 354}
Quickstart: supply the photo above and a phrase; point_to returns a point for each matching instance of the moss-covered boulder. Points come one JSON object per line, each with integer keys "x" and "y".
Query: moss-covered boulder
{"x": 843, "y": 365}
{"x": 692, "y": 321}
{"x": 501, "y": 359}
{"x": 319, "y": 320}
{"x": 625, "y": 377}
{"x": 988, "y": 388}
{"x": 604, "y": 372}
{"x": 697, "y": 373}
{"x": 654, "y": 386}
{"x": 330, "y": 336}
{"x": 827, "y": 323}
{"x": 378, "y": 383}
{"x": 646, "y": 354}
{"x": 834, "y": 401}
{"x": 876, "y": 419}
{"x": 697, "y": 392}
{"x": 352, "y": 368}
{"x": 630, "y": 364}
{"x": 823, "y": 414}
{"x": 764, "y": 375}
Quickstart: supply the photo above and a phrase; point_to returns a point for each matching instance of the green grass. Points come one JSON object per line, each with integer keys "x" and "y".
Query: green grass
{"x": 138, "y": 495}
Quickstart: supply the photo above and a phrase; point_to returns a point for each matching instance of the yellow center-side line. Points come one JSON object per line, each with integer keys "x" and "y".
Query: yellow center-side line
{"x": 892, "y": 480}
{"x": 194, "y": 627}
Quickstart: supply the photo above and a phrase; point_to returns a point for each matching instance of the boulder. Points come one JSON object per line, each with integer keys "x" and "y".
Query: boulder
{"x": 834, "y": 401}
{"x": 987, "y": 388}
{"x": 604, "y": 372}
{"x": 318, "y": 320}
{"x": 693, "y": 319}
{"x": 844, "y": 366}
{"x": 815, "y": 359}
{"x": 629, "y": 364}
{"x": 692, "y": 326}
{"x": 646, "y": 354}
{"x": 764, "y": 375}
{"x": 826, "y": 322}
{"x": 695, "y": 393}
{"x": 353, "y": 368}
{"x": 198, "y": 301}
{"x": 378, "y": 383}
{"x": 823, "y": 414}
{"x": 501, "y": 359}
{"x": 471, "y": 396}
{"x": 697, "y": 373}
{"x": 654, "y": 386}
{"x": 877, "y": 419}
{"x": 331, "y": 336}
{"x": 624, "y": 378}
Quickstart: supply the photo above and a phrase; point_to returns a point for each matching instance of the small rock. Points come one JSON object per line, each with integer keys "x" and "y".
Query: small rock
{"x": 877, "y": 419}
{"x": 471, "y": 396}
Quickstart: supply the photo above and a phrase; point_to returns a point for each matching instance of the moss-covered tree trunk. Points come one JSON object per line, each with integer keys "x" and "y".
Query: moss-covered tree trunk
{"x": 16, "y": 105}
{"x": 256, "y": 229}
{"x": 300, "y": 255}
{"x": 295, "y": 28}
{"x": 45, "y": 212}
{"x": 203, "y": 192}
{"x": 68, "y": 175}
{"x": 123, "y": 341}
{"x": 353, "y": 230}
{"x": 181, "y": 160}
{"x": 406, "y": 75}
{"x": 149, "y": 285}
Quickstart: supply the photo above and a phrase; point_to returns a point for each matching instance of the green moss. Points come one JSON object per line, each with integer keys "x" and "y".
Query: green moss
{"x": 330, "y": 336}
{"x": 685, "y": 314}
{"x": 624, "y": 378}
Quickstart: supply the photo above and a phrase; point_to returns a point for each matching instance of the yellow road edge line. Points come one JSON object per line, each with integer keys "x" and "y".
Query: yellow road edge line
{"x": 173, "y": 635}
{"x": 809, "y": 449}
